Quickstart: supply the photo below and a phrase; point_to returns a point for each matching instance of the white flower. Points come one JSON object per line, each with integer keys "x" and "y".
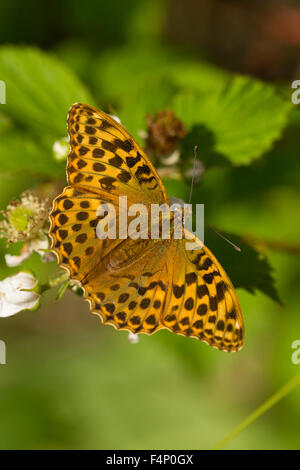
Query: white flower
{"x": 41, "y": 246}
{"x": 38, "y": 245}
{"x": 61, "y": 149}
{"x": 25, "y": 219}
{"x": 142, "y": 134}
{"x": 16, "y": 294}
{"x": 172, "y": 158}
{"x": 12, "y": 261}
{"x": 116, "y": 118}
{"x": 133, "y": 338}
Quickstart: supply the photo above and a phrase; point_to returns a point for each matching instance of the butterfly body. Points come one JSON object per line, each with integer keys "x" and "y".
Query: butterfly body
{"x": 143, "y": 284}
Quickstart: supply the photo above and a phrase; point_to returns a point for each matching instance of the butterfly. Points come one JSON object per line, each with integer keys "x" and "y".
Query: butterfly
{"x": 139, "y": 285}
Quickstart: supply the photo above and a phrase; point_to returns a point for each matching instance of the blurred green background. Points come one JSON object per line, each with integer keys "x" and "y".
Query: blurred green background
{"x": 225, "y": 68}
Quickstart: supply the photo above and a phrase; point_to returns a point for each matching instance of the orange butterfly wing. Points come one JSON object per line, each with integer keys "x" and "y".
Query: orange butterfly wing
{"x": 138, "y": 285}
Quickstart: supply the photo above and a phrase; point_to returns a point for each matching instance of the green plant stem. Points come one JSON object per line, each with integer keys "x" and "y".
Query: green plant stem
{"x": 59, "y": 279}
{"x": 276, "y": 397}
{"x": 277, "y": 245}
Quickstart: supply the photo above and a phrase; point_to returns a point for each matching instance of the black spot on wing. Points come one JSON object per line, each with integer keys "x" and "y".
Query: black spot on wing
{"x": 126, "y": 145}
{"x": 132, "y": 161}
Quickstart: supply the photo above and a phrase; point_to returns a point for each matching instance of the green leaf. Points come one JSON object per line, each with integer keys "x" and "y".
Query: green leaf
{"x": 247, "y": 269}
{"x": 245, "y": 117}
{"x": 5, "y": 123}
{"x": 39, "y": 89}
{"x": 62, "y": 290}
{"x": 148, "y": 98}
{"x": 119, "y": 72}
{"x": 21, "y": 153}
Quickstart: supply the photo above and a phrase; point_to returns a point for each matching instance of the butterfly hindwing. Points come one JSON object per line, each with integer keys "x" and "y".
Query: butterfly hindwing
{"x": 166, "y": 286}
{"x": 131, "y": 293}
{"x": 202, "y": 302}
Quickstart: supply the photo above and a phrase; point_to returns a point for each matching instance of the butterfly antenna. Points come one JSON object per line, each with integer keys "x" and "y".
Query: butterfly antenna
{"x": 237, "y": 248}
{"x": 193, "y": 175}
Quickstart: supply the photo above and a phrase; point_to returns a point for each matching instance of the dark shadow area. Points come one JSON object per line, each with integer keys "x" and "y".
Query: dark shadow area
{"x": 96, "y": 24}
{"x": 201, "y": 136}
{"x": 248, "y": 268}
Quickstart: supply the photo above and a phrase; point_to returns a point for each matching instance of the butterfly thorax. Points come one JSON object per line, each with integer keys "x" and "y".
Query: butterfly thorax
{"x": 125, "y": 254}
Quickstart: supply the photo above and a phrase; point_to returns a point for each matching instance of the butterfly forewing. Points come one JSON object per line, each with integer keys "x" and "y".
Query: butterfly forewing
{"x": 74, "y": 221}
{"x": 105, "y": 159}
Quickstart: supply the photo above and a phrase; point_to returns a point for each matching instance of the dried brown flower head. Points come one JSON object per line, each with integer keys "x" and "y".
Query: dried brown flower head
{"x": 164, "y": 132}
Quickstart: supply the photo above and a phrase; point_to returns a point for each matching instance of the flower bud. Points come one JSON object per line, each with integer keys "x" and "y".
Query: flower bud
{"x": 61, "y": 148}
{"x": 133, "y": 338}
